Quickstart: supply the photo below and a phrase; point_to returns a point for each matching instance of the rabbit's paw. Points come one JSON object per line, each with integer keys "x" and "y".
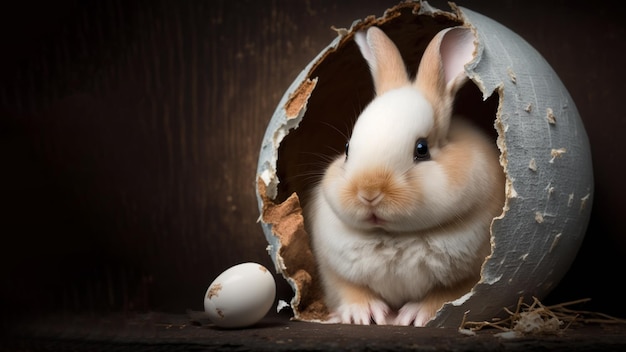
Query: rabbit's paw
{"x": 361, "y": 313}
{"x": 414, "y": 313}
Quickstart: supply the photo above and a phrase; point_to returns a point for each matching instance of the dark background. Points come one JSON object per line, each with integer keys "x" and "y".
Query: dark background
{"x": 130, "y": 132}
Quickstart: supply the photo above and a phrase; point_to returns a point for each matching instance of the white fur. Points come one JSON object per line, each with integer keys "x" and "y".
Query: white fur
{"x": 400, "y": 267}
{"x": 388, "y": 230}
{"x": 376, "y": 136}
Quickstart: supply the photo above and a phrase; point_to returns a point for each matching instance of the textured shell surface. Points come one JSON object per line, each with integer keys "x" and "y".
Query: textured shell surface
{"x": 545, "y": 156}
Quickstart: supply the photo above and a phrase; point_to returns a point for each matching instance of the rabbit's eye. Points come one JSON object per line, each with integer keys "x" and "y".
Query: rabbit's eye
{"x": 347, "y": 147}
{"x": 421, "y": 150}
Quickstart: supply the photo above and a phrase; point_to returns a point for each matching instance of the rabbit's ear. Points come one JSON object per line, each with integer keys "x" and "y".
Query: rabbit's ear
{"x": 384, "y": 59}
{"x": 442, "y": 71}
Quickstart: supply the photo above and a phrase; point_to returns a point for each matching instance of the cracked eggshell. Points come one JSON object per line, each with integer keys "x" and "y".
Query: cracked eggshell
{"x": 515, "y": 95}
{"x": 240, "y": 296}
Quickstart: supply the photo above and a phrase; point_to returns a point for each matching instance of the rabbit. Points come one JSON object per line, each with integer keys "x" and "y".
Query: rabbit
{"x": 400, "y": 224}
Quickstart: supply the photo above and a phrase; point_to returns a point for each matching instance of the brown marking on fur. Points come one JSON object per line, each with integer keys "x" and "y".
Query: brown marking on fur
{"x": 466, "y": 146}
{"x": 372, "y": 182}
{"x": 349, "y": 292}
{"x": 458, "y": 156}
{"x": 390, "y": 70}
{"x": 381, "y": 181}
{"x": 430, "y": 82}
{"x": 437, "y": 297}
{"x": 262, "y": 268}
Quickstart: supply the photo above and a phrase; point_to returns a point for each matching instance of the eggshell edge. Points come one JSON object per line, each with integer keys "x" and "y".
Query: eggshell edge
{"x": 292, "y": 109}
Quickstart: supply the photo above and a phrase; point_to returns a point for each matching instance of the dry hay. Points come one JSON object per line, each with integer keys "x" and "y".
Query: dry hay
{"x": 536, "y": 319}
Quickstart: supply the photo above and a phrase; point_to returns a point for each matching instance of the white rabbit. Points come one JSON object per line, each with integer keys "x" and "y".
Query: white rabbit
{"x": 400, "y": 223}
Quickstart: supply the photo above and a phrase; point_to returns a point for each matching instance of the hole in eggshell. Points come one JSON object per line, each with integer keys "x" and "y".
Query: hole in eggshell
{"x": 343, "y": 89}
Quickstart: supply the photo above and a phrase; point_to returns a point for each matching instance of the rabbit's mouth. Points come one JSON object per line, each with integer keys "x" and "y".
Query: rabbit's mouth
{"x": 376, "y": 220}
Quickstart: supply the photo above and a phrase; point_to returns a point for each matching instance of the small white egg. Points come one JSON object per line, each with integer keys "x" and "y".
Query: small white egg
{"x": 240, "y": 296}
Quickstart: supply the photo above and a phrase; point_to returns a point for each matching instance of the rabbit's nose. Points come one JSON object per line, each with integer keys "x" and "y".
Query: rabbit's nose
{"x": 370, "y": 197}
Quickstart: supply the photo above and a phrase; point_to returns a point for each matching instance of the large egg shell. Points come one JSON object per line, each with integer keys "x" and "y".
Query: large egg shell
{"x": 240, "y": 296}
{"x": 545, "y": 156}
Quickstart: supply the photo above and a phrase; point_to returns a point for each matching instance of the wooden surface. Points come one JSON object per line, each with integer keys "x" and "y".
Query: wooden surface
{"x": 170, "y": 332}
{"x": 130, "y": 131}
